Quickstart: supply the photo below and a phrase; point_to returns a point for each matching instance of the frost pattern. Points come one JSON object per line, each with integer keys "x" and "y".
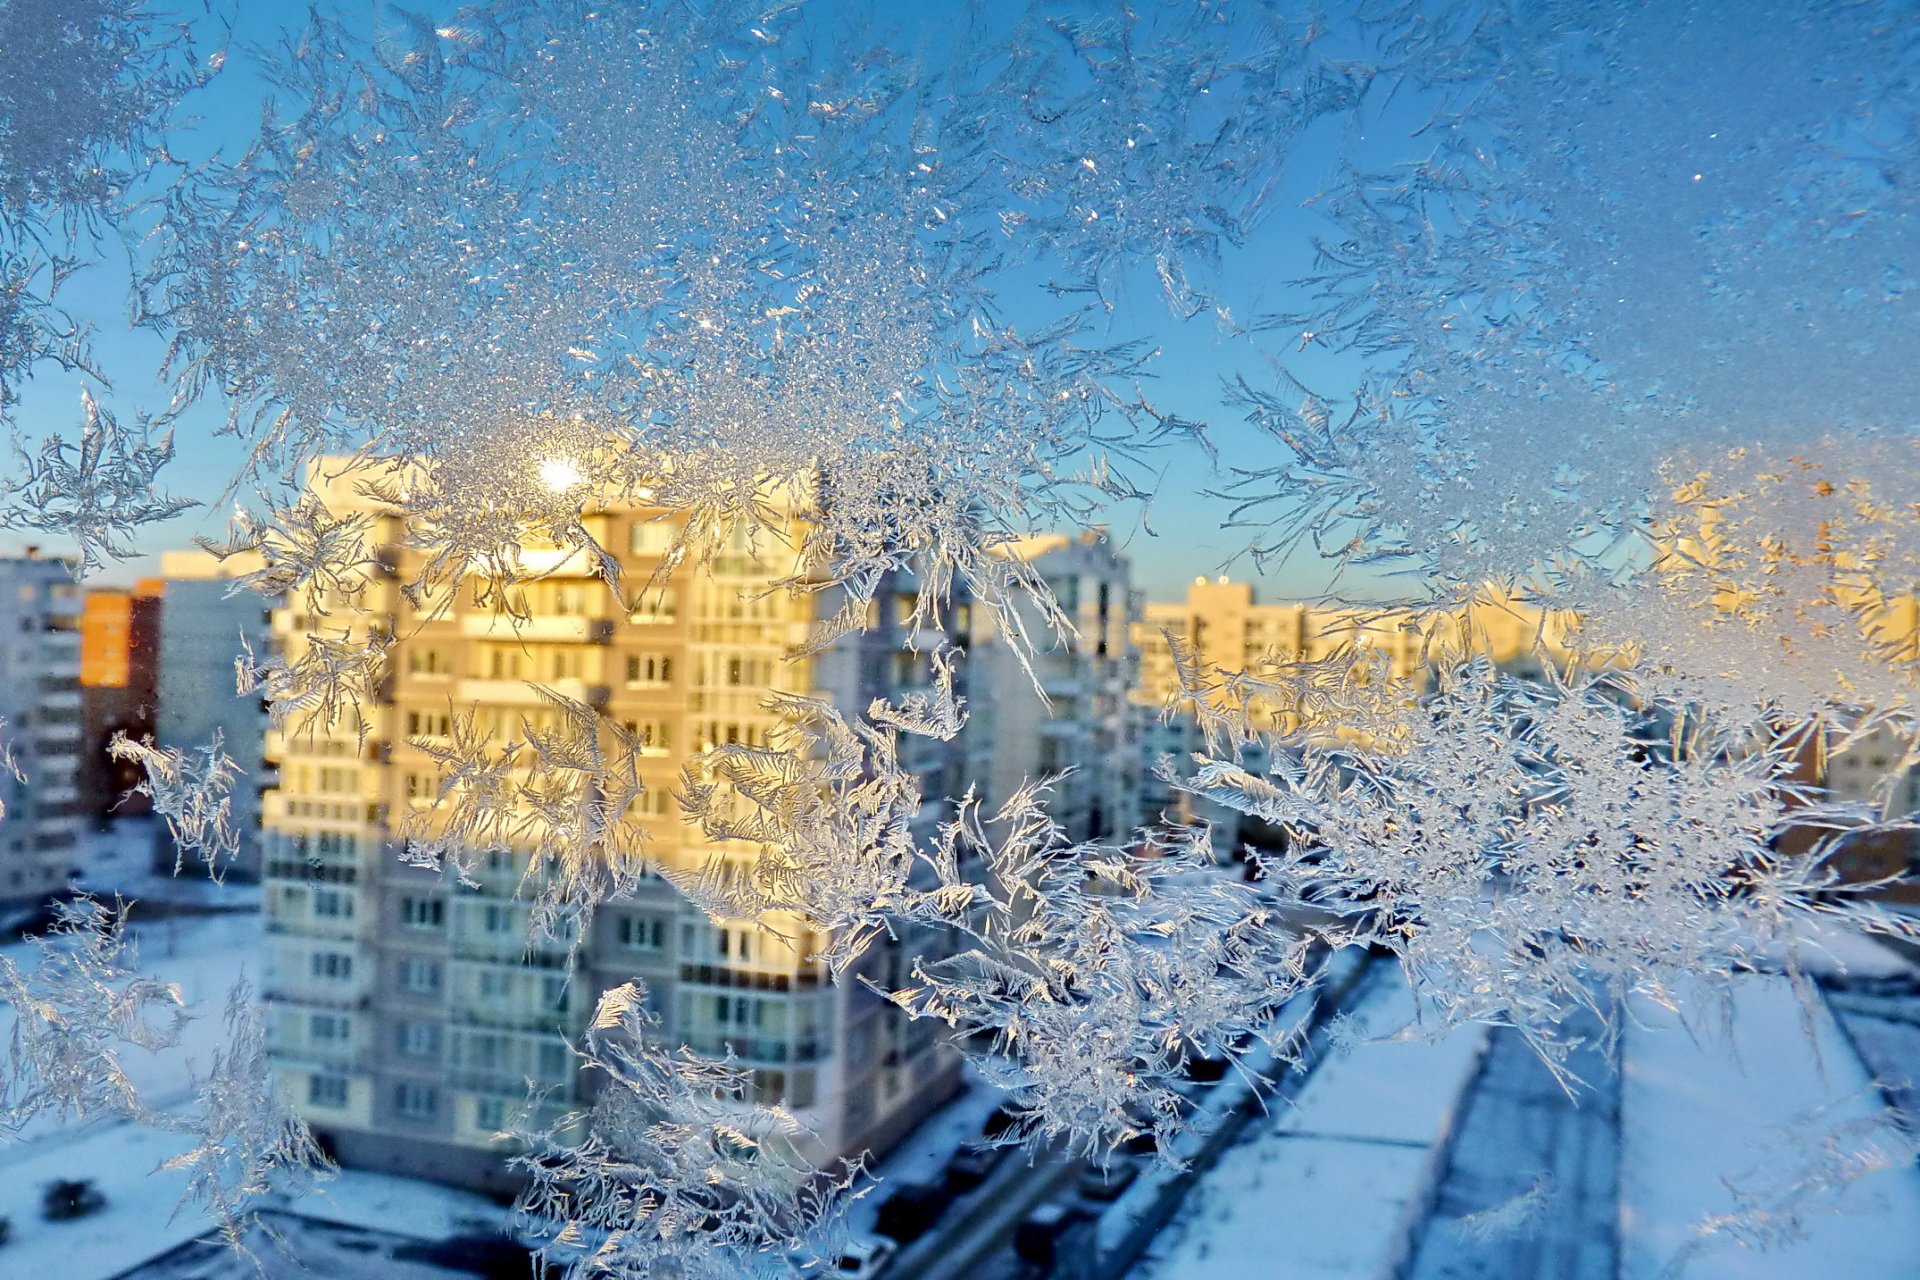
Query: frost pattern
{"x": 1810, "y": 1166}
{"x": 9, "y": 763}
{"x": 193, "y": 794}
{"x": 96, "y": 492}
{"x": 1533, "y": 850}
{"x": 86, "y": 90}
{"x": 667, "y": 1173}
{"x": 1098, "y": 972}
{"x": 1610, "y": 264}
{"x": 81, "y": 1001}
{"x": 246, "y": 1141}
{"x": 77, "y": 1010}
{"x": 1518, "y": 1216}
{"x": 563, "y": 795}
{"x": 832, "y": 814}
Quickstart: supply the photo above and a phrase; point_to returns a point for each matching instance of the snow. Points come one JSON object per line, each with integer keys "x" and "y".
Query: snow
{"x": 1403, "y": 1091}
{"x": 409, "y": 1206}
{"x": 1335, "y": 1184}
{"x": 1703, "y": 1105}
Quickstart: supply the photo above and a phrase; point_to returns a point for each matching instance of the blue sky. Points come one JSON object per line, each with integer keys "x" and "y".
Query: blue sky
{"x": 1180, "y": 536}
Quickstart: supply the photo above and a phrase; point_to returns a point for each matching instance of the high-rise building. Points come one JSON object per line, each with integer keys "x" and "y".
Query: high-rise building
{"x": 1085, "y": 728}
{"x": 119, "y": 674}
{"x": 40, "y": 704}
{"x": 408, "y": 1013}
{"x": 201, "y": 631}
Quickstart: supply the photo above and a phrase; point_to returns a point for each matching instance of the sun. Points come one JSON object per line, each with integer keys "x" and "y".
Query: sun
{"x": 560, "y": 474}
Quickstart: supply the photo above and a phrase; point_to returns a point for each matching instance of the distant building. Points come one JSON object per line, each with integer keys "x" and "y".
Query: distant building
{"x": 408, "y": 1014}
{"x": 119, "y": 671}
{"x": 201, "y": 630}
{"x": 1085, "y": 728}
{"x": 1227, "y": 628}
{"x": 40, "y": 704}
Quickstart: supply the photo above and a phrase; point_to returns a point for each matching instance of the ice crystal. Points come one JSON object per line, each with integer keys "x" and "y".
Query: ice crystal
{"x": 832, "y": 816}
{"x": 75, "y": 1011}
{"x": 937, "y": 712}
{"x": 1607, "y": 264}
{"x": 246, "y": 1141}
{"x": 1810, "y": 1165}
{"x": 1098, "y": 972}
{"x": 322, "y": 682}
{"x": 669, "y": 1172}
{"x": 9, "y": 764}
{"x": 192, "y": 793}
{"x": 310, "y": 556}
{"x": 562, "y": 795}
{"x": 708, "y": 269}
{"x": 1532, "y": 849}
{"x": 1781, "y": 588}
{"x": 1518, "y": 1216}
{"x": 86, "y": 90}
{"x": 95, "y": 492}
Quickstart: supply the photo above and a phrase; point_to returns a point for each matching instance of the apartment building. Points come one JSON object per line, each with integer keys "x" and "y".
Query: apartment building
{"x": 1084, "y": 731}
{"x": 119, "y": 675}
{"x": 408, "y": 1012}
{"x": 40, "y": 705}
{"x": 200, "y": 633}
{"x": 1229, "y": 628}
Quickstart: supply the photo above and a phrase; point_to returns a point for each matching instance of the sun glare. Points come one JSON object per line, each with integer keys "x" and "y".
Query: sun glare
{"x": 560, "y": 474}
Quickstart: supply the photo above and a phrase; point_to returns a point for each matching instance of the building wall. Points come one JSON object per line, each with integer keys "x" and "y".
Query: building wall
{"x": 408, "y": 1012}
{"x": 40, "y": 704}
{"x": 1083, "y": 731}
{"x": 119, "y": 673}
{"x": 200, "y": 633}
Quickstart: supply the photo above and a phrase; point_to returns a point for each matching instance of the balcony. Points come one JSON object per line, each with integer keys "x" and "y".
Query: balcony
{"x": 327, "y": 1058}
{"x": 495, "y": 626}
{"x": 520, "y": 693}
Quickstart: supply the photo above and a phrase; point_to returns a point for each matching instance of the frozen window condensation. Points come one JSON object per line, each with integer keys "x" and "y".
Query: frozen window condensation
{"x": 1533, "y": 849}
{"x": 246, "y": 1142}
{"x": 77, "y": 1008}
{"x": 193, "y": 793}
{"x": 96, "y": 492}
{"x": 668, "y": 1173}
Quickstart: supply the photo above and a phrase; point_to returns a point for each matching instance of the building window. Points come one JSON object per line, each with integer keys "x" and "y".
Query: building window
{"x": 642, "y": 933}
{"x": 332, "y": 966}
{"x": 416, "y": 1101}
{"x": 652, "y": 735}
{"x": 327, "y": 1091}
{"x": 429, "y": 724}
{"x": 428, "y": 662}
{"x": 737, "y": 1011}
{"x": 494, "y": 984}
{"x": 497, "y": 918}
{"x": 418, "y": 1039}
{"x": 419, "y": 977}
{"x": 655, "y": 606}
{"x": 652, "y": 538}
{"x": 329, "y": 1027}
{"x": 423, "y": 913}
{"x": 332, "y": 903}
{"x": 553, "y": 1060}
{"x": 490, "y": 1113}
{"x": 649, "y": 669}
